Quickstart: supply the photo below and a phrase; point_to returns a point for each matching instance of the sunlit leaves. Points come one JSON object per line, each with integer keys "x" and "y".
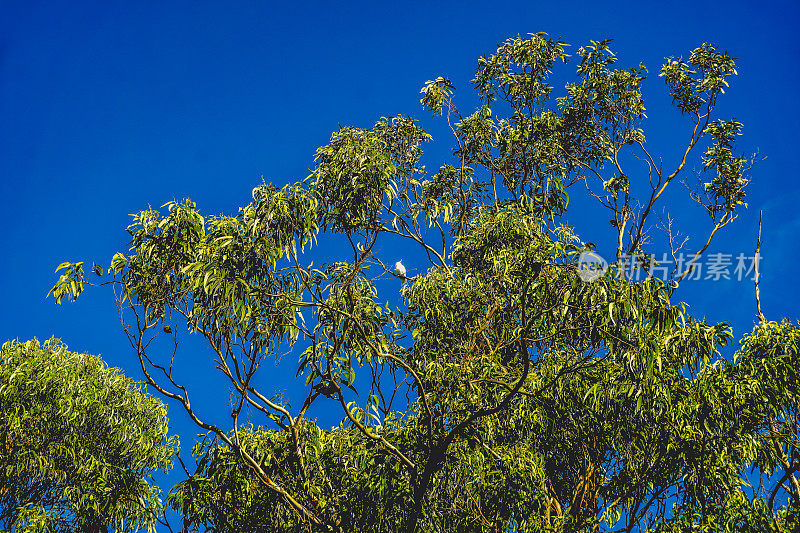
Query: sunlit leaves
{"x": 453, "y": 194}
{"x": 361, "y": 167}
{"x": 343, "y": 468}
{"x": 530, "y": 398}
{"x": 282, "y": 217}
{"x": 349, "y": 330}
{"x": 726, "y": 189}
{"x": 519, "y": 70}
{"x": 78, "y": 442}
{"x": 70, "y": 283}
{"x": 436, "y": 94}
{"x": 615, "y": 95}
{"x": 699, "y": 81}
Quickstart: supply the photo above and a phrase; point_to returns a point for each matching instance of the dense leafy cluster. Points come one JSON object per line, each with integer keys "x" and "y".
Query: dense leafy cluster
{"x": 78, "y": 443}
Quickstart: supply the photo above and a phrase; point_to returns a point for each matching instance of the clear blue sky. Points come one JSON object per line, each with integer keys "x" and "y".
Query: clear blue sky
{"x": 107, "y": 107}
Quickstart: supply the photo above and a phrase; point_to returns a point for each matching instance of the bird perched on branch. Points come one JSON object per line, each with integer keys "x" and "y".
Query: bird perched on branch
{"x": 400, "y": 270}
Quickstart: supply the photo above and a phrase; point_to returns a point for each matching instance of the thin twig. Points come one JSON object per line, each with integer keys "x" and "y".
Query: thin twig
{"x": 757, "y": 278}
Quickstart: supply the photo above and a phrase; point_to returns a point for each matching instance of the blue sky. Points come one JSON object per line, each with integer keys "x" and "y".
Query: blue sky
{"x": 108, "y": 107}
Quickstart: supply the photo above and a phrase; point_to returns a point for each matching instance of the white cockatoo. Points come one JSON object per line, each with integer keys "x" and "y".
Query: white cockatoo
{"x": 400, "y": 270}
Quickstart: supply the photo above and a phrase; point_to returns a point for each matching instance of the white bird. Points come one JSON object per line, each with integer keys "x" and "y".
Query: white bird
{"x": 400, "y": 270}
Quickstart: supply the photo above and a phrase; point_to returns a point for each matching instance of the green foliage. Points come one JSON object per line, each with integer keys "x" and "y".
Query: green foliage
{"x": 740, "y": 514}
{"x": 726, "y": 189}
{"x": 359, "y": 168}
{"x": 344, "y": 471}
{"x": 70, "y": 284}
{"x": 509, "y": 392}
{"x": 693, "y": 89}
{"x": 78, "y": 443}
{"x": 518, "y": 72}
{"x": 435, "y": 93}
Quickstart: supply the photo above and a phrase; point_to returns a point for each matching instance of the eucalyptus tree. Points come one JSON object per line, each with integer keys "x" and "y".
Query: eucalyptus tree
{"x": 79, "y": 443}
{"x": 507, "y": 392}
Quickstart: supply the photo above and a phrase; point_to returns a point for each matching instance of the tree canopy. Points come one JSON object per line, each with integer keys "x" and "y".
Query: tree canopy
{"x": 506, "y": 391}
{"x": 79, "y": 443}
